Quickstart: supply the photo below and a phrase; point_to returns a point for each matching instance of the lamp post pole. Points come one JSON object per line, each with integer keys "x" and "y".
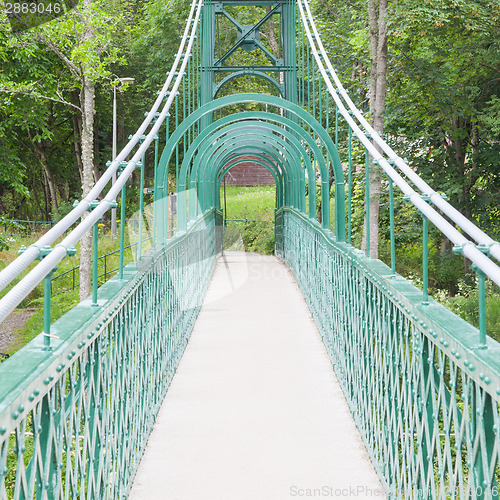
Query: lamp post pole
{"x": 113, "y": 153}
{"x": 113, "y": 156}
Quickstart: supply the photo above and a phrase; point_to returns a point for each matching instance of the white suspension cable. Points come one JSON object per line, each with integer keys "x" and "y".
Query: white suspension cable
{"x": 32, "y": 253}
{"x": 490, "y": 268}
{"x": 36, "y": 275}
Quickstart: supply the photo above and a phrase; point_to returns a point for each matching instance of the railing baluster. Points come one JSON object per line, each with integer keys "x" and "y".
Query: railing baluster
{"x": 95, "y": 262}
{"x": 367, "y": 200}
{"x": 349, "y": 188}
{"x": 123, "y": 201}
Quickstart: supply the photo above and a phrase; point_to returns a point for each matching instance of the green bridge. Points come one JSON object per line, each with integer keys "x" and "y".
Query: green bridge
{"x": 78, "y": 404}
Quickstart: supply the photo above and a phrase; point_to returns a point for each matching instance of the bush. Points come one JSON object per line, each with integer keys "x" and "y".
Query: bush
{"x": 61, "y": 211}
{"x": 466, "y": 305}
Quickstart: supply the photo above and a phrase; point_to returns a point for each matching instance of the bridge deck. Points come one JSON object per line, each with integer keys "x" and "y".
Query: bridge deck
{"x": 255, "y": 410}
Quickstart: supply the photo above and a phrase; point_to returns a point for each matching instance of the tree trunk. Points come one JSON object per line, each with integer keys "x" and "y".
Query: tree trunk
{"x": 97, "y": 174}
{"x": 35, "y": 197}
{"x": 378, "y": 88}
{"x": 48, "y": 178}
{"x": 46, "y": 203}
{"x": 271, "y": 35}
{"x": 87, "y": 105}
{"x": 87, "y": 142}
{"x": 77, "y": 133}
{"x": 52, "y": 188}
{"x": 273, "y": 42}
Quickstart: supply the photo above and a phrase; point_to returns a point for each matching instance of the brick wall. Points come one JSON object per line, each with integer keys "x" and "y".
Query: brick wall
{"x": 249, "y": 173}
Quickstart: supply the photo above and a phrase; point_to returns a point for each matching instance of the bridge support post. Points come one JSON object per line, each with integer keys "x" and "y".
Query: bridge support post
{"x": 207, "y": 58}
{"x": 122, "y": 224}
{"x": 95, "y": 261}
{"x": 47, "y": 296}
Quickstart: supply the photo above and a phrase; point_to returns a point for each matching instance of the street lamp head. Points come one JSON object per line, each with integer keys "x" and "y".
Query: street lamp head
{"x": 127, "y": 80}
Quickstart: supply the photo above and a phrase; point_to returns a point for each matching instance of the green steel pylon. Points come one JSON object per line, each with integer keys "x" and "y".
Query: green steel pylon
{"x": 248, "y": 38}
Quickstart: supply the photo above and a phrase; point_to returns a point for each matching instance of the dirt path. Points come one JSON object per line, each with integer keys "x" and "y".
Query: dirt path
{"x": 11, "y": 325}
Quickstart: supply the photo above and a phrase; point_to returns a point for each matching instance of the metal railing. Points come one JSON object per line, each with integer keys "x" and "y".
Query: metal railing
{"x": 74, "y": 273}
{"x": 78, "y": 402}
{"x": 425, "y": 396}
{"x": 51, "y": 257}
{"x": 370, "y": 139}
{"x": 75, "y": 416}
{"x": 325, "y": 93}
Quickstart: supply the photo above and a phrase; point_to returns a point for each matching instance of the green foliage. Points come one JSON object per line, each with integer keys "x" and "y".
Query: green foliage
{"x": 61, "y": 211}
{"x": 159, "y": 29}
{"x": 490, "y": 116}
{"x": 258, "y": 237}
{"x": 7, "y": 225}
{"x": 443, "y": 99}
{"x": 465, "y": 304}
{"x": 43, "y": 71}
{"x": 256, "y": 205}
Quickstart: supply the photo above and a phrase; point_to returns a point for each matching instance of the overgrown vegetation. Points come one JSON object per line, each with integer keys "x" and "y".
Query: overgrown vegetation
{"x": 252, "y": 211}
{"x": 65, "y": 287}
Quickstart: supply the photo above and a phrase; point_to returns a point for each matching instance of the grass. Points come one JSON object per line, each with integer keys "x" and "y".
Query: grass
{"x": 253, "y": 232}
{"x": 253, "y": 207}
{"x": 61, "y": 302}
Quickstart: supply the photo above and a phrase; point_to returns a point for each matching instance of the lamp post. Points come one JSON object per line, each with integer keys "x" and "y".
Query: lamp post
{"x": 113, "y": 154}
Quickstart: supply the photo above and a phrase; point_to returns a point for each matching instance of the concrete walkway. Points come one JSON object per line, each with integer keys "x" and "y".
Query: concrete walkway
{"x": 255, "y": 410}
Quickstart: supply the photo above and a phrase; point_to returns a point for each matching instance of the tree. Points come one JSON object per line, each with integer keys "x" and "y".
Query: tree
{"x": 82, "y": 41}
{"x": 444, "y": 86}
{"x": 87, "y": 59}
{"x": 377, "y": 21}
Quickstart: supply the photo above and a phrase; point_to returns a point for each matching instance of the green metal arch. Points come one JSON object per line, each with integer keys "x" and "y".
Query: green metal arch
{"x": 248, "y": 72}
{"x": 211, "y": 185}
{"x": 267, "y": 126}
{"x": 231, "y": 141}
{"x": 196, "y": 168}
{"x": 276, "y": 176}
{"x": 243, "y": 131}
{"x": 310, "y": 120}
{"x": 281, "y": 176}
{"x": 310, "y": 170}
{"x": 279, "y": 202}
{"x": 251, "y": 118}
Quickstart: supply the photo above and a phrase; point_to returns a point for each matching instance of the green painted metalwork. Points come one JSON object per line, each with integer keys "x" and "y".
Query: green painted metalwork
{"x": 255, "y": 116}
{"x": 76, "y": 424}
{"x": 367, "y": 201}
{"x": 279, "y": 188}
{"x": 392, "y": 229}
{"x": 78, "y": 403}
{"x": 248, "y": 72}
{"x": 122, "y": 229}
{"x": 73, "y": 275}
{"x": 349, "y": 188}
{"x": 95, "y": 257}
{"x": 208, "y": 109}
{"x": 47, "y": 295}
{"x": 241, "y": 139}
{"x": 427, "y": 403}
